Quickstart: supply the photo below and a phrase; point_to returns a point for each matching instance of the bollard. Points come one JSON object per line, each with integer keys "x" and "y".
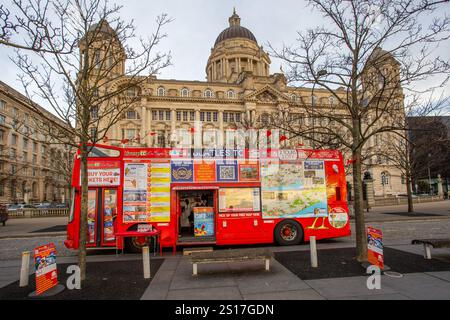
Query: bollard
{"x": 25, "y": 269}
{"x": 146, "y": 258}
{"x": 312, "y": 242}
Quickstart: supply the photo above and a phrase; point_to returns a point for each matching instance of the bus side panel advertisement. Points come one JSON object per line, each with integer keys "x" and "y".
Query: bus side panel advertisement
{"x": 103, "y": 173}
{"x": 135, "y": 193}
{"x": 203, "y": 221}
{"x": 293, "y": 189}
{"x": 227, "y": 171}
{"x": 158, "y": 188}
{"x": 45, "y": 267}
{"x": 205, "y": 171}
{"x": 375, "y": 247}
{"x": 248, "y": 171}
{"x": 182, "y": 171}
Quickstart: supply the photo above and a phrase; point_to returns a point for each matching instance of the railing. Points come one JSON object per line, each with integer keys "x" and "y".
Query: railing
{"x": 37, "y": 213}
{"x": 392, "y": 201}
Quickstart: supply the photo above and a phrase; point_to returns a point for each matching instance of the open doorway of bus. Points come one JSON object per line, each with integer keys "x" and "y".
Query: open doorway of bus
{"x": 196, "y": 216}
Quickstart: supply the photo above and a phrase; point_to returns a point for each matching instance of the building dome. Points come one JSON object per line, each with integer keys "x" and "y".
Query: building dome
{"x": 235, "y": 30}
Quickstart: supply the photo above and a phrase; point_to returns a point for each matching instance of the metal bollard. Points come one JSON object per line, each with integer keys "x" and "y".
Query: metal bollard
{"x": 313, "y": 248}
{"x": 146, "y": 260}
{"x": 25, "y": 269}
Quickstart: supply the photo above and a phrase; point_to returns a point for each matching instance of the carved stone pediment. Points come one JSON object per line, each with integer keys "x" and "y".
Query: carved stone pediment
{"x": 266, "y": 97}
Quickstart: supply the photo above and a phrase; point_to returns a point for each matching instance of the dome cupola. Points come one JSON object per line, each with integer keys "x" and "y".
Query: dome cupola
{"x": 235, "y": 30}
{"x": 236, "y": 50}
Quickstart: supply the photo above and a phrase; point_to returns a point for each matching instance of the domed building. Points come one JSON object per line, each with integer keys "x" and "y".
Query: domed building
{"x": 239, "y": 93}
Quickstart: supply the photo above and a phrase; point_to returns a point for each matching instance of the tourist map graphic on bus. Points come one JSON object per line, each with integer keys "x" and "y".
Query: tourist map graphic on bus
{"x": 293, "y": 189}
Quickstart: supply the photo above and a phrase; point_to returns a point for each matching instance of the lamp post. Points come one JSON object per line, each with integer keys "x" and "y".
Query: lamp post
{"x": 429, "y": 173}
{"x": 321, "y": 73}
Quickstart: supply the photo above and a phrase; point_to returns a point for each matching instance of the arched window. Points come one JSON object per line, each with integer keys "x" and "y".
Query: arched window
{"x": 161, "y": 92}
{"x": 331, "y": 100}
{"x": 185, "y": 92}
{"x": 208, "y": 93}
{"x": 385, "y": 178}
{"x": 230, "y": 94}
{"x": 294, "y": 97}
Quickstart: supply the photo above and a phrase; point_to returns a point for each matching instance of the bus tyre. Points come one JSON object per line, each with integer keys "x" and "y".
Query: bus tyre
{"x": 135, "y": 244}
{"x": 288, "y": 232}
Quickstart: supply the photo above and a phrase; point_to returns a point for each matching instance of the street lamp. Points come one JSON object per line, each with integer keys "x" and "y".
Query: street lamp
{"x": 321, "y": 73}
{"x": 429, "y": 172}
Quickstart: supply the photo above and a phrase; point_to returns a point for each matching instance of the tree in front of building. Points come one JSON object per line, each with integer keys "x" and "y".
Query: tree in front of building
{"x": 365, "y": 55}
{"x": 80, "y": 71}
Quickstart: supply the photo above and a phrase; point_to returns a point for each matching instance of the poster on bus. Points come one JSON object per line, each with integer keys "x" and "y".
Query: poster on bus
{"x": 158, "y": 196}
{"x": 375, "y": 247}
{"x": 135, "y": 193}
{"x": 45, "y": 268}
{"x": 203, "y": 221}
{"x": 293, "y": 189}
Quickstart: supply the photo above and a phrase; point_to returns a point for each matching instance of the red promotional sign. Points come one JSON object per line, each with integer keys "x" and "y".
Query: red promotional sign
{"x": 103, "y": 173}
{"x": 205, "y": 171}
{"x": 45, "y": 267}
{"x": 375, "y": 247}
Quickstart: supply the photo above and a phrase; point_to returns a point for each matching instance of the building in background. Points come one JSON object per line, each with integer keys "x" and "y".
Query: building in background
{"x": 31, "y": 169}
{"x": 239, "y": 92}
{"x": 430, "y": 153}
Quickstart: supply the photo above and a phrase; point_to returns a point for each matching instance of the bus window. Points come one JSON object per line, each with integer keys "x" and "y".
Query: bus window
{"x": 72, "y": 206}
{"x": 239, "y": 199}
{"x": 98, "y": 152}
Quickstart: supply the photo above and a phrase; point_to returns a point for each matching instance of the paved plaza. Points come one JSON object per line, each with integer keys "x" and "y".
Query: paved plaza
{"x": 249, "y": 280}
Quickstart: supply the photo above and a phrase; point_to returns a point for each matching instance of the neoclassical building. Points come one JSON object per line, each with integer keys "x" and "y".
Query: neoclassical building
{"x": 31, "y": 169}
{"x": 239, "y": 92}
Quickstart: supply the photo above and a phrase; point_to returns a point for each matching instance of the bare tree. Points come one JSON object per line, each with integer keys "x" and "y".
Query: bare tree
{"x": 88, "y": 69}
{"x": 345, "y": 60}
{"x": 400, "y": 149}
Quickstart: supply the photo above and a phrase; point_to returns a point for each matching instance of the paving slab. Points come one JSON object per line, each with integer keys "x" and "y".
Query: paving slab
{"x": 213, "y": 293}
{"x": 444, "y": 275}
{"x": 336, "y": 288}
{"x": 392, "y": 296}
{"x": 209, "y": 276}
{"x": 419, "y": 286}
{"x": 305, "y": 294}
{"x": 254, "y": 280}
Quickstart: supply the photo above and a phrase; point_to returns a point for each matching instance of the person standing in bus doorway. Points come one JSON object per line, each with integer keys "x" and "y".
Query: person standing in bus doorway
{"x": 183, "y": 208}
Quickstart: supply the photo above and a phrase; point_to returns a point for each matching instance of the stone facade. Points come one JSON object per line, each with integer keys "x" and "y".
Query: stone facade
{"x": 29, "y": 171}
{"x": 239, "y": 93}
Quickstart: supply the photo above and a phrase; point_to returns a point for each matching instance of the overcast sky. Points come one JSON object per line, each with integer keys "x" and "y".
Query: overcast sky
{"x": 196, "y": 25}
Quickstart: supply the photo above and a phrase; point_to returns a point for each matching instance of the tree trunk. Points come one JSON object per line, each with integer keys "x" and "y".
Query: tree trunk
{"x": 83, "y": 212}
{"x": 360, "y": 225}
{"x": 409, "y": 192}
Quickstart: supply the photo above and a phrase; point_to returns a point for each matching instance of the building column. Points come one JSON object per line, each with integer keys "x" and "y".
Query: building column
{"x": 197, "y": 130}
{"x": 144, "y": 130}
{"x": 149, "y": 137}
{"x": 220, "y": 139}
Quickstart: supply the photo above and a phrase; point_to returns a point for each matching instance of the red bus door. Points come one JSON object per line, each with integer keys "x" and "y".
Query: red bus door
{"x": 102, "y": 211}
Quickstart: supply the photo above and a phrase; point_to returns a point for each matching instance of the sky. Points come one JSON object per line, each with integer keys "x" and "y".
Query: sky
{"x": 196, "y": 25}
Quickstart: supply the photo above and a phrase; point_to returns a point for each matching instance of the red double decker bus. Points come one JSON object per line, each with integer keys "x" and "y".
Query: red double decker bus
{"x": 210, "y": 196}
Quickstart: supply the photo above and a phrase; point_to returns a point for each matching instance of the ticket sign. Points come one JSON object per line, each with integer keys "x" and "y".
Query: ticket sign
{"x": 45, "y": 267}
{"x": 103, "y": 173}
{"x": 375, "y": 247}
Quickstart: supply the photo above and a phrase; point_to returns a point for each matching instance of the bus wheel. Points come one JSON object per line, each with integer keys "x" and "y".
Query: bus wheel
{"x": 288, "y": 232}
{"x": 135, "y": 244}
